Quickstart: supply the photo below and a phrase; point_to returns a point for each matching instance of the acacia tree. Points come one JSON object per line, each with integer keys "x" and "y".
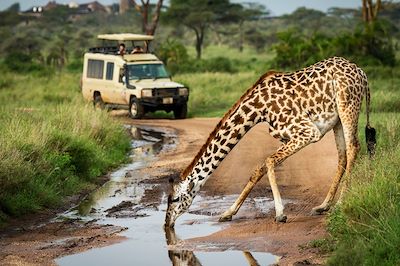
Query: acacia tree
{"x": 198, "y": 16}
{"x": 145, "y": 9}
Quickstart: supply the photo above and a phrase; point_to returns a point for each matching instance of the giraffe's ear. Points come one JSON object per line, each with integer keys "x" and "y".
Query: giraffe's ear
{"x": 191, "y": 186}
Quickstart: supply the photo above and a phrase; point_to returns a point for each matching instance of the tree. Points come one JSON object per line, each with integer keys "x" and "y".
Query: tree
{"x": 144, "y": 10}
{"x": 306, "y": 18}
{"x": 239, "y": 14}
{"x": 198, "y": 15}
{"x": 370, "y": 10}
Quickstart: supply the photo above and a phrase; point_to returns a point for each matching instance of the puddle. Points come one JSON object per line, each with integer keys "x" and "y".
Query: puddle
{"x": 124, "y": 201}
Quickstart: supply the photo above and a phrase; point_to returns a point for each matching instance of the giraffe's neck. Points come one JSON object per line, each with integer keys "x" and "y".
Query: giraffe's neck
{"x": 245, "y": 114}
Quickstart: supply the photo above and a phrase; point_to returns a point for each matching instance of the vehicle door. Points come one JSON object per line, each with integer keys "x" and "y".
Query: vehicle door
{"x": 114, "y": 83}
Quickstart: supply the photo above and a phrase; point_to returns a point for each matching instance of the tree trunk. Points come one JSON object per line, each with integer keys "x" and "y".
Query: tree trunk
{"x": 145, "y": 16}
{"x": 148, "y": 28}
{"x": 151, "y": 30}
{"x": 241, "y": 36}
{"x": 370, "y": 11}
{"x": 199, "y": 40}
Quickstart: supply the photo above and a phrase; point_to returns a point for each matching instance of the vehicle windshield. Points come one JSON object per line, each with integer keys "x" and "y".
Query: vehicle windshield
{"x": 147, "y": 71}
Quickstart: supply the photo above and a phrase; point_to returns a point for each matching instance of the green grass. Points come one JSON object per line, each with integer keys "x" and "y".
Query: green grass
{"x": 366, "y": 225}
{"x": 212, "y": 94}
{"x": 52, "y": 143}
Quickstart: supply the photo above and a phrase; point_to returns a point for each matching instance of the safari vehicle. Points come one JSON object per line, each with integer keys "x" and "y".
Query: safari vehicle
{"x": 136, "y": 81}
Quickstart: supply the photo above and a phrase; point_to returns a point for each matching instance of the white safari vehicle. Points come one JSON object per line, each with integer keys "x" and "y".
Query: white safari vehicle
{"x": 134, "y": 79}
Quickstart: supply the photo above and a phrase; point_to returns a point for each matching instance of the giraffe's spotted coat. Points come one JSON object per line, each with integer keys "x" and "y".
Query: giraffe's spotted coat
{"x": 300, "y": 108}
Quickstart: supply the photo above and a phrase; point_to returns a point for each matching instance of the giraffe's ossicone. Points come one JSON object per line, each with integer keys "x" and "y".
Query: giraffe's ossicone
{"x": 300, "y": 108}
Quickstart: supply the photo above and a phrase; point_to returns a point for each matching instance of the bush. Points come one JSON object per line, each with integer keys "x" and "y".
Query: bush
{"x": 370, "y": 45}
{"x": 20, "y": 62}
{"x": 176, "y": 58}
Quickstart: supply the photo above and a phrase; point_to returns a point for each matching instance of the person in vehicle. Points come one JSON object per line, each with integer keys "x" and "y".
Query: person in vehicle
{"x": 121, "y": 50}
{"x": 137, "y": 50}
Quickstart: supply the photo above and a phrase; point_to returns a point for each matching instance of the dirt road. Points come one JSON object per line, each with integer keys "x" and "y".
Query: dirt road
{"x": 303, "y": 179}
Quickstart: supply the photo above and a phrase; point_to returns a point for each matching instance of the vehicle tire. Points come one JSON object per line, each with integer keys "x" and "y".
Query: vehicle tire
{"x": 136, "y": 110}
{"x": 180, "y": 111}
{"x": 98, "y": 102}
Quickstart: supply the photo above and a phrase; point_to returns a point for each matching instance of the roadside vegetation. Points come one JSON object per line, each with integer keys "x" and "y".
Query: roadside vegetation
{"x": 53, "y": 144}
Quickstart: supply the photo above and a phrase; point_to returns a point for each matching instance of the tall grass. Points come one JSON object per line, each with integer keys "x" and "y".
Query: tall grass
{"x": 366, "y": 225}
{"x": 52, "y": 144}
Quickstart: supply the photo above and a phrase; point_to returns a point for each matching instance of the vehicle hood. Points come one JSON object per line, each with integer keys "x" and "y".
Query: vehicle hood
{"x": 158, "y": 83}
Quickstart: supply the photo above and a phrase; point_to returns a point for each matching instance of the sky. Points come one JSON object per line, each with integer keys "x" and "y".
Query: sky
{"x": 277, "y": 7}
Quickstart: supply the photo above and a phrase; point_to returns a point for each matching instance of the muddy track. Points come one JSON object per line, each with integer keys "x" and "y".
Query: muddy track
{"x": 303, "y": 179}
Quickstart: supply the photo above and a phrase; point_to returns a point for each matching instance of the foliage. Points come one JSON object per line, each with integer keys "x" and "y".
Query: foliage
{"x": 51, "y": 143}
{"x": 366, "y": 226}
{"x": 198, "y": 15}
{"x": 176, "y": 58}
{"x": 173, "y": 54}
{"x": 22, "y": 63}
{"x": 10, "y": 17}
{"x": 371, "y": 45}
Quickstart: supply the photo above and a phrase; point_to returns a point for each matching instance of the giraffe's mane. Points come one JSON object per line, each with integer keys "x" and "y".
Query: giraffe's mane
{"x": 212, "y": 135}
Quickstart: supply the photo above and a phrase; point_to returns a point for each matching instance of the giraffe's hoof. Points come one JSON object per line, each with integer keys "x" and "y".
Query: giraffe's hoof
{"x": 281, "y": 218}
{"x": 319, "y": 210}
{"x": 225, "y": 218}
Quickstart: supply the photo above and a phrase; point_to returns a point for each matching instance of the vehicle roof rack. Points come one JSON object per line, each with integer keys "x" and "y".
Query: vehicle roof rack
{"x": 125, "y": 37}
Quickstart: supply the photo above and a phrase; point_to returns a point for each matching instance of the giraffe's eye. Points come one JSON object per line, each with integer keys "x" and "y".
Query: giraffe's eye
{"x": 176, "y": 199}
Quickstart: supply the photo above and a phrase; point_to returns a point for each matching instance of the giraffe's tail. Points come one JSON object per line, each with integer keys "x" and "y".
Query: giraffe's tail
{"x": 370, "y": 132}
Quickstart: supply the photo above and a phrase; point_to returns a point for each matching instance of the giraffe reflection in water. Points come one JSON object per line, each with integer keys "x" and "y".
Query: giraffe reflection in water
{"x": 187, "y": 257}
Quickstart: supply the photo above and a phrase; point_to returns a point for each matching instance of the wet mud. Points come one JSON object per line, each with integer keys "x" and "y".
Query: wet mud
{"x": 121, "y": 223}
{"x": 135, "y": 201}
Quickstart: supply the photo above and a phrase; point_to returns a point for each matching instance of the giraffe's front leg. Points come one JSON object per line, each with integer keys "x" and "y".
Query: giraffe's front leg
{"x": 255, "y": 177}
{"x": 279, "y": 216}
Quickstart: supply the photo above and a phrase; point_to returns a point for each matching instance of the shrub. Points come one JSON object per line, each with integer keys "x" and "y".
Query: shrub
{"x": 370, "y": 45}
{"x": 20, "y": 62}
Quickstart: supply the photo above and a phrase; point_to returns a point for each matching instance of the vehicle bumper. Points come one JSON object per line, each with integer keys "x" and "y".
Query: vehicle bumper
{"x": 164, "y": 102}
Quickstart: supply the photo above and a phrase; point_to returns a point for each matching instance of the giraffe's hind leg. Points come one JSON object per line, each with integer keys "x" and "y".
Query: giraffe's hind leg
{"x": 352, "y": 146}
{"x": 255, "y": 177}
{"x": 341, "y": 148}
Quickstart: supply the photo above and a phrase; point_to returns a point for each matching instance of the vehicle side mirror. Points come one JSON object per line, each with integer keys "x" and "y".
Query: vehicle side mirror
{"x": 129, "y": 86}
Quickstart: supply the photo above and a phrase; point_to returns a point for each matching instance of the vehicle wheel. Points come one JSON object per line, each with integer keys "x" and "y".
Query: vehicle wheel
{"x": 98, "y": 102}
{"x": 136, "y": 110}
{"x": 180, "y": 112}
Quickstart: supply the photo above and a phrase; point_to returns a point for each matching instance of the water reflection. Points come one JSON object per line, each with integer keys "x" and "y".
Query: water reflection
{"x": 143, "y": 217}
{"x": 179, "y": 257}
{"x": 187, "y": 257}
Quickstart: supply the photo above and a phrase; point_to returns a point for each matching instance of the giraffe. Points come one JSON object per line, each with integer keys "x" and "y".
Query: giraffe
{"x": 300, "y": 108}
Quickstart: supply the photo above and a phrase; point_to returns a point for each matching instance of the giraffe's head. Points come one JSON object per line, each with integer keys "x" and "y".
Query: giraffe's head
{"x": 179, "y": 201}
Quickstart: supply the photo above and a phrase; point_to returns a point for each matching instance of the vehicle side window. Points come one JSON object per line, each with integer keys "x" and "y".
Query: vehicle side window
{"x": 95, "y": 69}
{"x": 110, "y": 71}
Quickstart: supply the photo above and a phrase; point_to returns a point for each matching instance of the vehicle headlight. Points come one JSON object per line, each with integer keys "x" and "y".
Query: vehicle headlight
{"x": 183, "y": 92}
{"x": 147, "y": 93}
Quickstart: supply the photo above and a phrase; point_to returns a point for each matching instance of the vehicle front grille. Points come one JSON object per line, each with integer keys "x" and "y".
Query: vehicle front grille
{"x": 165, "y": 92}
